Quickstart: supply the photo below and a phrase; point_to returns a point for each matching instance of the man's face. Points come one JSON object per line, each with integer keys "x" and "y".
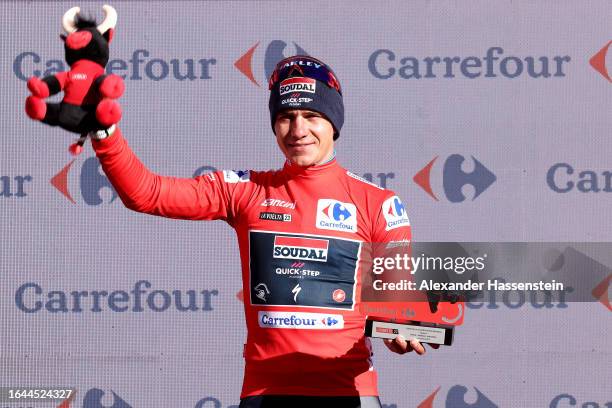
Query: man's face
{"x": 305, "y": 137}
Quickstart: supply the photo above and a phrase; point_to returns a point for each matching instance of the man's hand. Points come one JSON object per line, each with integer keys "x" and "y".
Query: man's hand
{"x": 399, "y": 345}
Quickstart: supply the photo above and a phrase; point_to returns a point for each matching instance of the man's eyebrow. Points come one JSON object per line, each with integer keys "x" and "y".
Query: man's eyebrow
{"x": 292, "y": 114}
{"x": 312, "y": 113}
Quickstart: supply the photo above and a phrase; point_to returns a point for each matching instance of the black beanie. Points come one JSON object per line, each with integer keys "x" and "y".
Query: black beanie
{"x": 300, "y": 90}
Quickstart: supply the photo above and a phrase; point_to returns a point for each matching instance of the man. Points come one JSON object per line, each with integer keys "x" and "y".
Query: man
{"x": 300, "y": 231}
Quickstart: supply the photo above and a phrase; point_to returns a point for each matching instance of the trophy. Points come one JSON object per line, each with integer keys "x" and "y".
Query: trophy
{"x": 409, "y": 290}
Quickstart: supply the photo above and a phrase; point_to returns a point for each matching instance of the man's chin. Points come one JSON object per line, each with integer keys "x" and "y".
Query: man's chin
{"x": 303, "y": 163}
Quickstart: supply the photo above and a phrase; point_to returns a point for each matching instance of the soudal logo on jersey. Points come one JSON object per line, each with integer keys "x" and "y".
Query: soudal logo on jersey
{"x": 336, "y": 215}
{"x": 394, "y": 213}
{"x": 307, "y": 249}
{"x": 297, "y": 320}
{"x": 298, "y": 84}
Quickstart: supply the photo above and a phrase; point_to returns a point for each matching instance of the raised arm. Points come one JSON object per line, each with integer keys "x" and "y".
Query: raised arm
{"x": 205, "y": 197}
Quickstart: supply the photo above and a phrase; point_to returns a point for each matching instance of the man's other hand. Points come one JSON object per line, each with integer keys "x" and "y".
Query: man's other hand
{"x": 400, "y": 345}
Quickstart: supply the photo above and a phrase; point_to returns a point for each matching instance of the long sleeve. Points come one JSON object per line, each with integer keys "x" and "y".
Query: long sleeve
{"x": 207, "y": 197}
{"x": 391, "y": 238}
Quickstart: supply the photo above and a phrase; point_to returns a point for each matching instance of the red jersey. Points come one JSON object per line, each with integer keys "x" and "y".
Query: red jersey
{"x": 300, "y": 233}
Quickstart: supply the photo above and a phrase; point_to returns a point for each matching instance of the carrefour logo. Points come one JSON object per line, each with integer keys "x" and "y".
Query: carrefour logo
{"x": 599, "y": 63}
{"x": 336, "y": 211}
{"x": 568, "y": 400}
{"x": 395, "y": 213}
{"x": 297, "y": 320}
{"x": 455, "y": 398}
{"x": 454, "y": 178}
{"x": 329, "y": 321}
{"x": 336, "y": 215}
{"x": 96, "y": 398}
{"x": 592, "y": 283}
{"x": 386, "y": 64}
{"x": 33, "y": 297}
{"x": 88, "y": 181}
{"x": 274, "y": 52}
{"x": 564, "y": 178}
{"x": 14, "y": 186}
{"x": 140, "y": 66}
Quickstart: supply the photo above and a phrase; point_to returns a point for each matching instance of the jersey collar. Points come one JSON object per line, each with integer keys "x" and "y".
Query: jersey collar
{"x": 329, "y": 167}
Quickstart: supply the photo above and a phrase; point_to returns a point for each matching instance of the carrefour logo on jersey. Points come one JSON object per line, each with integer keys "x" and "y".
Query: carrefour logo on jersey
{"x": 297, "y": 320}
{"x": 394, "y": 213}
{"x": 298, "y": 84}
{"x": 336, "y": 215}
{"x": 306, "y": 249}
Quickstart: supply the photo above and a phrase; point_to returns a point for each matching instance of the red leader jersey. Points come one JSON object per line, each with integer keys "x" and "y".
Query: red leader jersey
{"x": 300, "y": 233}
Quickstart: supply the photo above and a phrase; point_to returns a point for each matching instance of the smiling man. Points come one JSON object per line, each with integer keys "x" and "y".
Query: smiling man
{"x": 301, "y": 231}
{"x": 305, "y": 137}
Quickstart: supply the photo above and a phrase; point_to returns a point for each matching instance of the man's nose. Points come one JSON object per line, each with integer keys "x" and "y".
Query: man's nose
{"x": 298, "y": 127}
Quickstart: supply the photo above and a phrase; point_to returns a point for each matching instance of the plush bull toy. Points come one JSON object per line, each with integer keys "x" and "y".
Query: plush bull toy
{"x": 88, "y": 103}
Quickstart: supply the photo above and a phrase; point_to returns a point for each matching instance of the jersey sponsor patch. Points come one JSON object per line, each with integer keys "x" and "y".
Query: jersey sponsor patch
{"x": 395, "y": 213}
{"x": 297, "y": 271}
{"x": 338, "y": 295}
{"x": 337, "y": 216}
{"x": 274, "y": 202}
{"x": 298, "y": 84}
{"x": 307, "y": 249}
{"x": 261, "y": 291}
{"x": 398, "y": 244}
{"x": 236, "y": 176}
{"x": 302, "y": 270}
{"x": 298, "y": 320}
{"x": 273, "y": 216}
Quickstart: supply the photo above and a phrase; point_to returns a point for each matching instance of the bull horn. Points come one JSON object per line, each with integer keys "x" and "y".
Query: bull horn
{"x": 68, "y": 20}
{"x": 110, "y": 19}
